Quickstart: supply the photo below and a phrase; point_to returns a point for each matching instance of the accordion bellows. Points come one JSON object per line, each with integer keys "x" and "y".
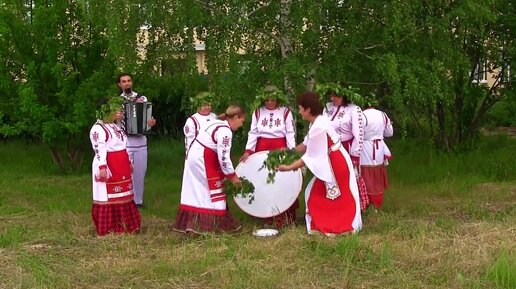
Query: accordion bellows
{"x": 137, "y": 116}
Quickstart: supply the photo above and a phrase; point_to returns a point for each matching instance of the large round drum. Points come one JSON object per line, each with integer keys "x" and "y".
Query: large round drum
{"x": 269, "y": 199}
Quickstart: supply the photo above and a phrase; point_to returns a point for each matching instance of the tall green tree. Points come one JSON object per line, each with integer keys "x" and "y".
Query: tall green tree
{"x": 54, "y": 69}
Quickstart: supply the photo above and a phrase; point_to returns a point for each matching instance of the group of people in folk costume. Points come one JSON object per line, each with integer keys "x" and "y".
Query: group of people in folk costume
{"x": 344, "y": 149}
{"x": 338, "y": 137}
{"x": 362, "y": 134}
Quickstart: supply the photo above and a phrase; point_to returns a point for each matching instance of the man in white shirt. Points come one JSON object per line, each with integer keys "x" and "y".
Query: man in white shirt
{"x": 136, "y": 144}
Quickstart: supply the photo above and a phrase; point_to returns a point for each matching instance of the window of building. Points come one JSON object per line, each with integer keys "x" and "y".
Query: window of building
{"x": 480, "y": 72}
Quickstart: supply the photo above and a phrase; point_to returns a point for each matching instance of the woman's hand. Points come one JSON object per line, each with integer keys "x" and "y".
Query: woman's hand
{"x": 102, "y": 176}
{"x": 235, "y": 180}
{"x": 283, "y": 168}
{"x": 244, "y": 157}
{"x": 152, "y": 121}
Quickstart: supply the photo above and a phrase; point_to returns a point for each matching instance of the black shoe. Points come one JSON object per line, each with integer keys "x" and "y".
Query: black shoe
{"x": 139, "y": 206}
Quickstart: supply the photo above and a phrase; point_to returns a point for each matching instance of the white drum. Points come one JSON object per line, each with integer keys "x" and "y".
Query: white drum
{"x": 269, "y": 199}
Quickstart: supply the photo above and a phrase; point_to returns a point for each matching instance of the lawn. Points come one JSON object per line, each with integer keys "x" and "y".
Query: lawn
{"x": 449, "y": 221}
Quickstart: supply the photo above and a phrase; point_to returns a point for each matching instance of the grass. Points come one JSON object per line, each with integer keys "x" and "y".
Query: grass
{"x": 448, "y": 222}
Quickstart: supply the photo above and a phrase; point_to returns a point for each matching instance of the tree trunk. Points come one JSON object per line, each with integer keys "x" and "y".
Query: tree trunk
{"x": 57, "y": 158}
{"x": 459, "y": 102}
{"x": 442, "y": 140}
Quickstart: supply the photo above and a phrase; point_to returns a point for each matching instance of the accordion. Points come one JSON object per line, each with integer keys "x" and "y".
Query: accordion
{"x": 137, "y": 116}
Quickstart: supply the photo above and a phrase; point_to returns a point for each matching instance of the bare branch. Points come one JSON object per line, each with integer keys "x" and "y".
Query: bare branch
{"x": 397, "y": 42}
{"x": 362, "y": 53}
{"x": 257, "y": 9}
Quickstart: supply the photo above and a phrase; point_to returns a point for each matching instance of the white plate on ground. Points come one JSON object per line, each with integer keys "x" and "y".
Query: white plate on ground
{"x": 265, "y": 233}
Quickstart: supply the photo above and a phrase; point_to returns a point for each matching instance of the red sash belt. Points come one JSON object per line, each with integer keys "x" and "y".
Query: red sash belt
{"x": 375, "y": 147}
{"x": 267, "y": 144}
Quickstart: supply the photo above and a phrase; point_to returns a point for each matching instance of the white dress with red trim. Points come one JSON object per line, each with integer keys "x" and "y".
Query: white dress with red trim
{"x": 113, "y": 207}
{"x": 375, "y": 154}
{"x": 377, "y": 127}
{"x": 192, "y": 126}
{"x": 203, "y": 203}
{"x": 274, "y": 128}
{"x": 109, "y": 144}
{"x": 332, "y": 198}
{"x": 348, "y": 122}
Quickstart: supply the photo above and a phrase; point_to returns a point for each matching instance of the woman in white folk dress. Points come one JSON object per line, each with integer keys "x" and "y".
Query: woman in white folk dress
{"x": 113, "y": 210}
{"x": 332, "y": 201}
{"x": 203, "y": 207}
{"x": 348, "y": 121}
{"x": 375, "y": 154}
{"x": 272, "y": 128}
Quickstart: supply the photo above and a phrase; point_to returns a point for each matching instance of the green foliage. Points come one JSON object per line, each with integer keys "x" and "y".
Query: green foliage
{"x": 349, "y": 93}
{"x": 276, "y": 158}
{"x": 201, "y": 99}
{"x": 55, "y": 75}
{"x": 417, "y": 59}
{"x": 269, "y": 92}
{"x": 106, "y": 111}
{"x": 503, "y": 271}
{"x": 243, "y": 190}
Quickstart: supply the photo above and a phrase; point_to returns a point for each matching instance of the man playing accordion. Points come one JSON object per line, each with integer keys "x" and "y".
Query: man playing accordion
{"x": 136, "y": 144}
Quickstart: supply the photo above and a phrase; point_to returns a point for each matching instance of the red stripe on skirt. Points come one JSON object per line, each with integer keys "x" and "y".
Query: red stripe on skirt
{"x": 214, "y": 173}
{"x": 202, "y": 210}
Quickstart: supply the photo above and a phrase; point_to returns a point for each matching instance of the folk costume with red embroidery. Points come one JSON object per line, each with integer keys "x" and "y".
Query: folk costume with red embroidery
{"x": 348, "y": 122}
{"x": 332, "y": 197}
{"x": 192, "y": 126}
{"x": 113, "y": 208}
{"x": 375, "y": 154}
{"x": 203, "y": 205}
{"x": 272, "y": 128}
{"x": 136, "y": 144}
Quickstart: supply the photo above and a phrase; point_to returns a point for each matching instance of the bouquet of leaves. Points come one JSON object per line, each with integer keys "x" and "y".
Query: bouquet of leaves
{"x": 350, "y": 93}
{"x": 244, "y": 190}
{"x": 276, "y": 158}
{"x": 269, "y": 92}
{"x": 201, "y": 99}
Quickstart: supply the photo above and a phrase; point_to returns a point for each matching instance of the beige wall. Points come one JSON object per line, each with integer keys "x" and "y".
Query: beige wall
{"x": 200, "y": 50}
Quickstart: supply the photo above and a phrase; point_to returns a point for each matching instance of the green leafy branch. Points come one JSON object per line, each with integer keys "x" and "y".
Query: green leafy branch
{"x": 276, "y": 158}
{"x": 351, "y": 94}
{"x": 269, "y": 92}
{"x": 201, "y": 99}
{"x": 244, "y": 190}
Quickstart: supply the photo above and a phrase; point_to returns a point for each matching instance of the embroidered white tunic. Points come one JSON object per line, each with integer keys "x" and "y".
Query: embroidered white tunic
{"x": 377, "y": 126}
{"x": 202, "y": 186}
{"x": 106, "y": 139}
{"x": 192, "y": 126}
{"x": 266, "y": 123}
{"x": 348, "y": 122}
